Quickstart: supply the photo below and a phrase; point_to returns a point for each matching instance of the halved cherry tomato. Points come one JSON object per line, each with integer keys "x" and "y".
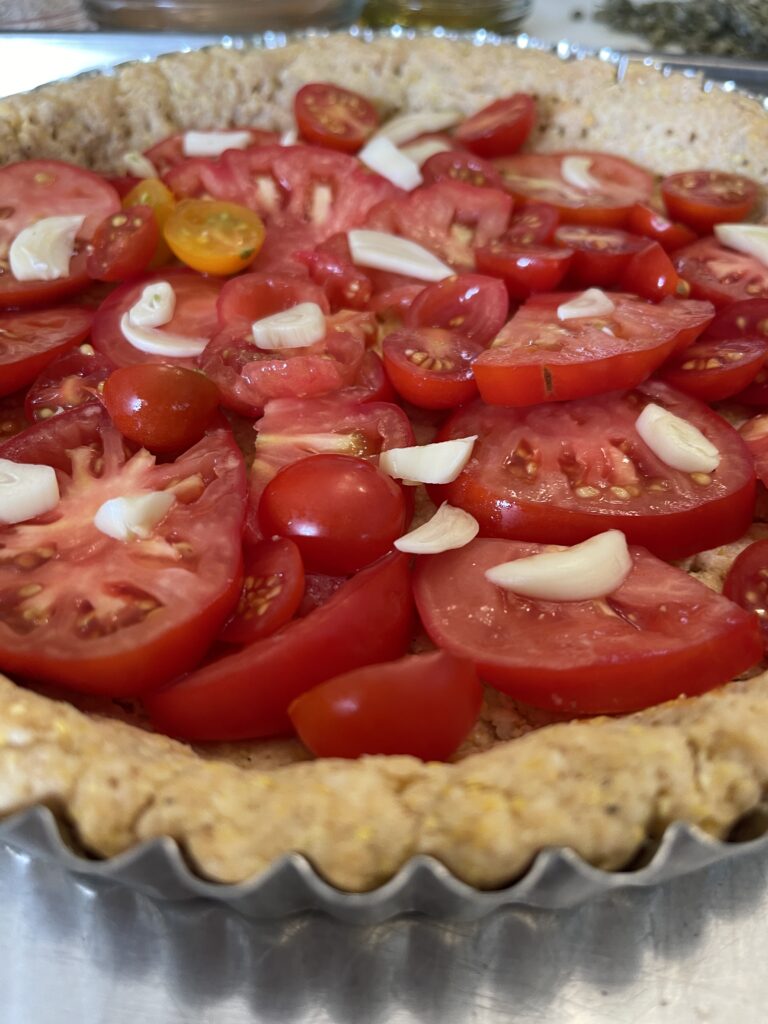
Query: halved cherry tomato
{"x": 650, "y": 274}
{"x": 330, "y": 266}
{"x": 169, "y": 152}
{"x": 713, "y": 370}
{"x": 702, "y": 199}
{"x": 105, "y": 616}
{"x": 431, "y": 367}
{"x": 533, "y": 224}
{"x": 67, "y": 381}
{"x": 423, "y": 705}
{"x": 539, "y": 177}
{"x": 455, "y": 165}
{"x": 600, "y": 255}
{"x": 744, "y": 320}
{"x": 255, "y": 296}
{"x": 538, "y": 357}
{"x": 721, "y": 275}
{"x": 31, "y": 339}
{"x": 475, "y": 305}
{"x": 123, "y": 245}
{"x": 747, "y": 583}
{"x": 247, "y": 694}
{"x": 558, "y": 474}
{"x": 153, "y": 193}
{"x": 645, "y": 220}
{"x": 162, "y": 408}
{"x": 340, "y": 511}
{"x": 331, "y": 116}
{"x": 273, "y": 589}
{"x": 524, "y": 269}
{"x": 661, "y": 634}
{"x": 500, "y": 128}
{"x": 214, "y": 237}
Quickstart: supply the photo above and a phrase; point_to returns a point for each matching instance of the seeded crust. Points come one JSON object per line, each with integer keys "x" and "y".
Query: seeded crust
{"x": 522, "y": 781}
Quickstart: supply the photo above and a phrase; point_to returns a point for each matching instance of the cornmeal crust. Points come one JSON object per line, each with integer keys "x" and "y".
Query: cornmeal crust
{"x": 604, "y": 787}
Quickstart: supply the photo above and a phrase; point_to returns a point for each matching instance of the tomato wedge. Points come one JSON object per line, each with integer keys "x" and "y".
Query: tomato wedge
{"x": 721, "y": 275}
{"x": 105, "y": 616}
{"x": 500, "y": 128}
{"x": 31, "y": 339}
{"x": 246, "y": 695}
{"x": 558, "y": 474}
{"x": 702, "y": 199}
{"x": 331, "y": 116}
{"x": 747, "y": 583}
{"x": 600, "y": 255}
{"x": 647, "y": 221}
{"x": 661, "y": 634}
{"x": 524, "y": 269}
{"x": 273, "y": 588}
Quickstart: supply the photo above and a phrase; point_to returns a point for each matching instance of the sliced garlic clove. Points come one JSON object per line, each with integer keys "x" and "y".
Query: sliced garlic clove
{"x": 298, "y": 327}
{"x": 289, "y": 137}
{"x": 213, "y": 143}
{"x": 42, "y": 251}
{"x": 436, "y": 463}
{"x": 382, "y": 251}
{"x": 155, "y": 306}
{"x": 386, "y": 159}
{"x": 407, "y": 126}
{"x": 448, "y": 528}
{"x": 586, "y": 571}
{"x": 420, "y": 152}
{"x": 133, "y": 516}
{"x": 751, "y": 239}
{"x": 575, "y": 171}
{"x": 160, "y": 343}
{"x": 138, "y": 165}
{"x": 675, "y": 441}
{"x": 592, "y": 302}
{"x": 26, "y": 491}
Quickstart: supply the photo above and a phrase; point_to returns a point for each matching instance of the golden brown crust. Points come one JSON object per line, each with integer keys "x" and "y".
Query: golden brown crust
{"x": 603, "y": 787}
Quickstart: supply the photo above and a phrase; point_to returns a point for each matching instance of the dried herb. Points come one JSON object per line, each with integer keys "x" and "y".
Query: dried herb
{"x": 737, "y": 28}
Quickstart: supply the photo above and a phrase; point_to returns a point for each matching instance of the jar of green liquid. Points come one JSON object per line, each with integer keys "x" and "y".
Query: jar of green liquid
{"x": 492, "y": 15}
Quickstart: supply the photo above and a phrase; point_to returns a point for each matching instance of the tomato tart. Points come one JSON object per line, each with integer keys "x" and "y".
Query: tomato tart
{"x": 217, "y": 265}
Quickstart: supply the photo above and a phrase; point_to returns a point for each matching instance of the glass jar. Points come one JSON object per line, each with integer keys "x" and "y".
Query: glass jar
{"x": 493, "y": 15}
{"x": 223, "y": 15}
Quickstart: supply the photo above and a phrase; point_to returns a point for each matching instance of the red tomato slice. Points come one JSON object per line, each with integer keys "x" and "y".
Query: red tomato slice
{"x": 539, "y": 358}
{"x": 645, "y": 220}
{"x": 524, "y": 269}
{"x": 35, "y": 189}
{"x": 67, "y": 381}
{"x": 252, "y": 297}
{"x": 123, "y": 244}
{"x": 748, "y": 319}
{"x": 169, "y": 152}
{"x": 533, "y": 224}
{"x": 712, "y": 370}
{"x": 661, "y": 634}
{"x": 454, "y": 165}
{"x": 195, "y": 316}
{"x": 650, "y": 274}
{"x": 557, "y": 474}
{"x": 500, "y": 128}
{"x": 747, "y": 583}
{"x": 538, "y": 177}
{"x": 721, "y": 275}
{"x": 13, "y": 418}
{"x": 431, "y": 367}
{"x": 702, "y": 199}
{"x": 105, "y": 616}
{"x": 247, "y": 694}
{"x": 328, "y": 115}
{"x": 31, "y": 339}
{"x": 330, "y": 266}
{"x": 273, "y": 588}
{"x": 475, "y": 305}
{"x": 423, "y": 705}
{"x": 600, "y": 255}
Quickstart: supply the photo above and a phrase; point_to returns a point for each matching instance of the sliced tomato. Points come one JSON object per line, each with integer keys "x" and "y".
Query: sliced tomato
{"x": 538, "y": 357}
{"x": 214, "y": 237}
{"x": 169, "y": 152}
{"x": 273, "y": 589}
{"x": 747, "y": 320}
{"x": 105, "y": 616}
{"x": 747, "y": 583}
{"x": 330, "y": 266}
{"x": 524, "y": 269}
{"x": 31, "y": 339}
{"x": 431, "y": 367}
{"x": 557, "y": 474}
{"x": 455, "y": 165}
{"x": 123, "y": 244}
{"x": 68, "y": 381}
{"x": 539, "y": 177}
{"x": 600, "y": 255}
{"x": 194, "y": 316}
{"x": 721, "y": 275}
{"x": 247, "y": 694}
{"x": 328, "y": 115}
{"x": 252, "y": 297}
{"x": 500, "y": 128}
{"x": 475, "y": 305}
{"x": 660, "y": 635}
{"x": 533, "y": 224}
{"x": 651, "y": 274}
{"x": 702, "y": 199}
{"x": 713, "y": 370}
{"x": 647, "y": 221}
{"x": 423, "y": 705}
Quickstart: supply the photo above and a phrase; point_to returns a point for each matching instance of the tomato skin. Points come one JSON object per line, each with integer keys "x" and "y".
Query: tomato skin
{"x": 247, "y": 694}
{"x": 475, "y": 305}
{"x": 214, "y": 237}
{"x": 30, "y": 340}
{"x": 423, "y": 705}
{"x": 667, "y": 633}
{"x": 123, "y": 244}
{"x": 431, "y": 368}
{"x": 500, "y": 128}
{"x": 702, "y": 199}
{"x": 340, "y": 511}
{"x": 524, "y": 269}
{"x": 712, "y": 370}
{"x": 747, "y": 583}
{"x": 721, "y": 275}
{"x": 328, "y": 115}
{"x": 68, "y": 381}
{"x": 162, "y": 408}
{"x": 273, "y": 589}
{"x": 455, "y": 165}
{"x": 644, "y": 220}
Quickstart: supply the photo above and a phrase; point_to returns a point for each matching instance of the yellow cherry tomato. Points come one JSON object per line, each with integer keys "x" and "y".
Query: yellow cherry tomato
{"x": 152, "y": 192}
{"x": 214, "y": 237}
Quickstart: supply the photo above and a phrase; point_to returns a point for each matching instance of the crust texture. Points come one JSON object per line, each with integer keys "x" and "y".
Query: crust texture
{"x": 604, "y": 787}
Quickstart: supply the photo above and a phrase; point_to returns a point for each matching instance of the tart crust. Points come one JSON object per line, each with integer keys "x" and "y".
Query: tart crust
{"x": 604, "y": 787}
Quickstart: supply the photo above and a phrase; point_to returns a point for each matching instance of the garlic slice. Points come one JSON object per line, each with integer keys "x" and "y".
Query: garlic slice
{"x": 133, "y": 516}
{"x": 676, "y": 441}
{"x": 575, "y": 170}
{"x": 139, "y": 165}
{"x": 381, "y": 251}
{"x": 213, "y": 143}
{"x": 420, "y": 152}
{"x": 298, "y": 327}
{"x": 586, "y": 571}
{"x": 448, "y": 528}
{"x": 160, "y": 343}
{"x": 751, "y": 239}
{"x": 592, "y": 302}
{"x": 391, "y": 163}
{"x": 407, "y": 126}
{"x": 42, "y": 251}
{"x": 436, "y": 463}
{"x": 155, "y": 305}
{"x": 289, "y": 137}
{"x": 26, "y": 491}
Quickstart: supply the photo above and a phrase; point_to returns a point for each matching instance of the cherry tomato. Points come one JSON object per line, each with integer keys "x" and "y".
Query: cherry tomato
{"x": 341, "y": 512}
{"x": 67, "y": 381}
{"x": 660, "y": 634}
{"x": 500, "y": 128}
{"x": 702, "y": 199}
{"x": 557, "y": 474}
{"x": 331, "y": 116}
{"x": 214, "y": 237}
{"x": 533, "y": 224}
{"x": 273, "y": 589}
{"x": 423, "y": 705}
{"x": 162, "y": 408}
{"x": 153, "y": 193}
{"x": 431, "y": 367}
{"x": 105, "y": 616}
{"x": 31, "y": 339}
{"x": 247, "y": 694}
{"x": 650, "y": 274}
{"x": 721, "y": 275}
{"x": 747, "y": 583}
{"x": 475, "y": 305}
{"x": 524, "y": 269}
{"x": 600, "y": 255}
{"x": 645, "y": 220}
{"x": 713, "y": 370}
{"x": 124, "y": 244}
{"x": 330, "y": 266}
{"x": 255, "y": 296}
{"x": 454, "y": 165}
